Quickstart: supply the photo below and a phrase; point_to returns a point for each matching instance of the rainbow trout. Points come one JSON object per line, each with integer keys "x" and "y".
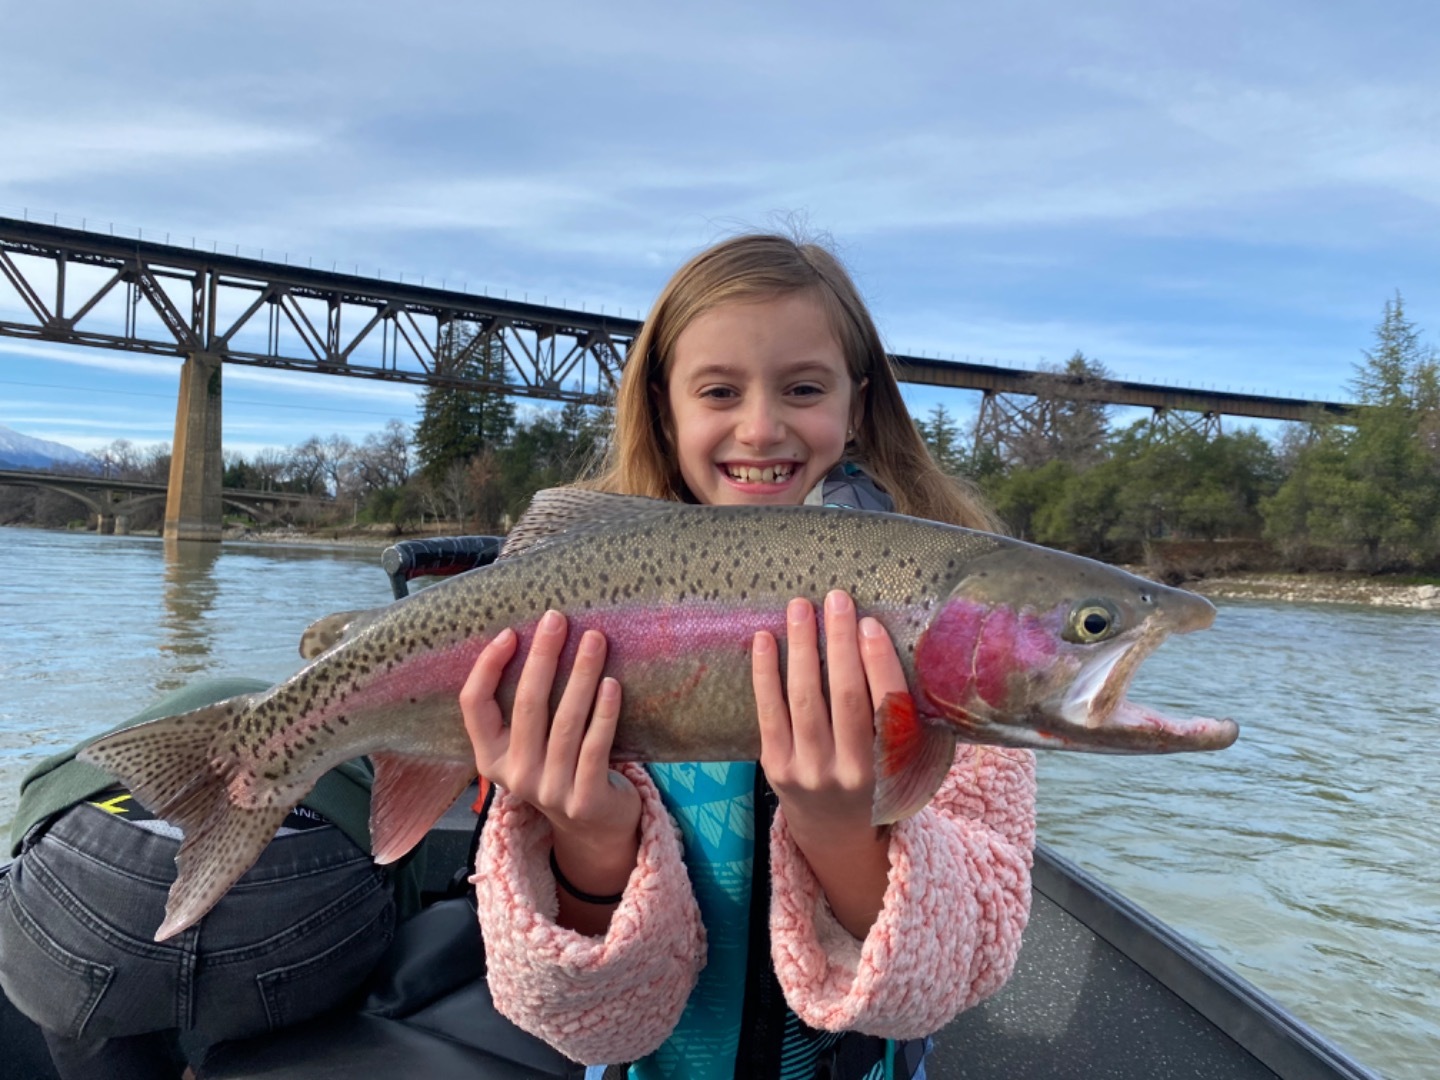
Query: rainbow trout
{"x": 1002, "y": 643}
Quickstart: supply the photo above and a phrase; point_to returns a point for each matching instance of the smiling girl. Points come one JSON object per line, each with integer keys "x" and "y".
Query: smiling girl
{"x": 720, "y": 920}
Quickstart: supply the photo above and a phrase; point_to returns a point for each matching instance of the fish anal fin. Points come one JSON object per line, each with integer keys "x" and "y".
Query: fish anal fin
{"x": 213, "y": 857}
{"x": 912, "y": 759}
{"x": 410, "y": 794}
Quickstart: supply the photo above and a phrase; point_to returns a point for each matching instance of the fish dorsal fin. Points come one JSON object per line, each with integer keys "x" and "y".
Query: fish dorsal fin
{"x": 325, "y": 633}
{"x": 556, "y": 512}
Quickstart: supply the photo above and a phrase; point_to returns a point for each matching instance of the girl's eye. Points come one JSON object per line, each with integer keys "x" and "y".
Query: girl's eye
{"x": 807, "y": 390}
{"x": 717, "y": 392}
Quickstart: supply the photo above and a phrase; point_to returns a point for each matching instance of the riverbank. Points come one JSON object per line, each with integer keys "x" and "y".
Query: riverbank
{"x": 377, "y": 536}
{"x": 1320, "y": 589}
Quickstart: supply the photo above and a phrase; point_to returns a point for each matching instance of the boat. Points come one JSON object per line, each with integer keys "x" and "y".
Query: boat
{"x": 1101, "y": 988}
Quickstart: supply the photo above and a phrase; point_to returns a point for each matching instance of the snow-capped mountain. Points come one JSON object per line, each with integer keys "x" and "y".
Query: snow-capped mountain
{"x": 23, "y": 452}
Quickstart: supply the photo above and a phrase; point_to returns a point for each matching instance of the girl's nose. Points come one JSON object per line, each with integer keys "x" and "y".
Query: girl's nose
{"x": 760, "y": 424}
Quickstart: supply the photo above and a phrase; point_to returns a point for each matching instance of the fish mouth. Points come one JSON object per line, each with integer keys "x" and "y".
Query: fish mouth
{"x": 1095, "y": 714}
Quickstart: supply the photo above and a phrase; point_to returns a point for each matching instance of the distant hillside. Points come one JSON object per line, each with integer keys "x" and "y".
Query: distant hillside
{"x": 23, "y": 452}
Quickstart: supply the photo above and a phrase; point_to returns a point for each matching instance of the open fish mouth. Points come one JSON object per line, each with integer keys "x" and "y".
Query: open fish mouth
{"x": 1095, "y": 712}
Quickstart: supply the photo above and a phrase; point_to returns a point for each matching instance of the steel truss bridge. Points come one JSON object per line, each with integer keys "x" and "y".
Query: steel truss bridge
{"x": 210, "y": 308}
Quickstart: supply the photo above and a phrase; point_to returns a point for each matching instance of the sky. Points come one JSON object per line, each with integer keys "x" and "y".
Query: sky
{"x": 1223, "y": 194}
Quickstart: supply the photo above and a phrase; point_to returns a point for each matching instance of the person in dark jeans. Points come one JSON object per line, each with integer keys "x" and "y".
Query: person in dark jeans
{"x": 296, "y": 936}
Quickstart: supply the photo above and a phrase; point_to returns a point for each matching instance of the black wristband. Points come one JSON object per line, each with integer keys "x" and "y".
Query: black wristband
{"x": 589, "y": 898}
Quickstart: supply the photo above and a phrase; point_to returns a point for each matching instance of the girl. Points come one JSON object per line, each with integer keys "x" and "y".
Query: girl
{"x": 719, "y": 920}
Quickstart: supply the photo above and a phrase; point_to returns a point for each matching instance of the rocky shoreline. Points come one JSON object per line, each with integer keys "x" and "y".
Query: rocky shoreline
{"x": 1319, "y": 589}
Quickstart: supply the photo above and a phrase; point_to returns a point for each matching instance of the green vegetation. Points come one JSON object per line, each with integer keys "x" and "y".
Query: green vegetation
{"x": 1364, "y": 495}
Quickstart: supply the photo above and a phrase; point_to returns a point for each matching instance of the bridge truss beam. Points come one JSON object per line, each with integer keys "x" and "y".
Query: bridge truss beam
{"x": 175, "y": 301}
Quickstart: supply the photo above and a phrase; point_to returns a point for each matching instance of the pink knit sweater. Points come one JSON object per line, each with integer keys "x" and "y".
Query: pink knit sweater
{"x": 957, "y": 900}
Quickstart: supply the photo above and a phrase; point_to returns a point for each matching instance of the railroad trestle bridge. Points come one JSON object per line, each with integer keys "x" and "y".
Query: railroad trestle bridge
{"x": 211, "y": 308}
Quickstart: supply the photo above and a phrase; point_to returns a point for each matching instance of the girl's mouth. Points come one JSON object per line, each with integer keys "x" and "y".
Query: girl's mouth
{"x": 760, "y": 474}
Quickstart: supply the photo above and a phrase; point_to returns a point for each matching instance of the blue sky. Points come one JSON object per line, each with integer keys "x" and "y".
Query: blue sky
{"x": 1223, "y": 193}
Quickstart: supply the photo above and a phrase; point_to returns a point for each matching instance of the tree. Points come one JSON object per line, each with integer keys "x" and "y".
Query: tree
{"x": 384, "y": 459}
{"x": 1372, "y": 487}
{"x": 1066, "y": 420}
{"x": 1081, "y": 422}
{"x": 943, "y": 439}
{"x": 457, "y": 423}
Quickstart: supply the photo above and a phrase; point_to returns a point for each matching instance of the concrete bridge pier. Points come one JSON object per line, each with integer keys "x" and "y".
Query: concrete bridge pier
{"x": 192, "y": 505}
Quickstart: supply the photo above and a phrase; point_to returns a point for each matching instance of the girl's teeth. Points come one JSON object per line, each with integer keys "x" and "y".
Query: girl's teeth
{"x": 751, "y": 475}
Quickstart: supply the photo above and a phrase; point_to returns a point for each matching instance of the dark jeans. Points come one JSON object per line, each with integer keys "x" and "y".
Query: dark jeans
{"x": 294, "y": 937}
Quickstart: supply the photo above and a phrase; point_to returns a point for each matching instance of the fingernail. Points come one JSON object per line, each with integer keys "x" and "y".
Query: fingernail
{"x": 871, "y": 628}
{"x": 551, "y": 621}
{"x": 762, "y": 644}
{"x": 609, "y": 690}
{"x": 592, "y": 642}
{"x": 503, "y": 637}
{"x": 837, "y": 602}
{"x": 798, "y": 611}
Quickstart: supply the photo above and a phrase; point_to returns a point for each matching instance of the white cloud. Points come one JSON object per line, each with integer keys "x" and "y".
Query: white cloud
{"x": 105, "y": 141}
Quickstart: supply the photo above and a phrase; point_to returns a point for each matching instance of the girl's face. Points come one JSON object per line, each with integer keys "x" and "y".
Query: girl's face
{"x": 760, "y": 401}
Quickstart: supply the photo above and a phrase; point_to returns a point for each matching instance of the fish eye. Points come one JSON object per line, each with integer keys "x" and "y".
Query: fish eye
{"x": 1092, "y": 621}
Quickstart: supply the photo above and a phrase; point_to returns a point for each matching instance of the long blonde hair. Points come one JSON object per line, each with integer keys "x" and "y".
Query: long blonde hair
{"x": 641, "y": 458}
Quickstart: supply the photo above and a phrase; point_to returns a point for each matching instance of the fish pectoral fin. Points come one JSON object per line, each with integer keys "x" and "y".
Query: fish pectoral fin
{"x": 213, "y": 857}
{"x": 410, "y": 794}
{"x": 912, "y": 759}
{"x": 325, "y": 633}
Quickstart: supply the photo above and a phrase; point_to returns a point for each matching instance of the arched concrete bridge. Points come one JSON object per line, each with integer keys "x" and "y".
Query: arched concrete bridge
{"x": 111, "y": 502}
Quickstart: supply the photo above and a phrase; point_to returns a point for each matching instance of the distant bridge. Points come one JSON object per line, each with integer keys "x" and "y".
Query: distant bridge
{"x": 111, "y": 502}
{"x": 135, "y": 294}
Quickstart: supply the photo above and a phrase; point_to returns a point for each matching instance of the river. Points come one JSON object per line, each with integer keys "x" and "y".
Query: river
{"x": 1305, "y": 856}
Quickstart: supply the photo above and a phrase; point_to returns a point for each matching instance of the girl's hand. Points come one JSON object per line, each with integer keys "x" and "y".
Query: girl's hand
{"x": 559, "y": 765}
{"x": 819, "y": 757}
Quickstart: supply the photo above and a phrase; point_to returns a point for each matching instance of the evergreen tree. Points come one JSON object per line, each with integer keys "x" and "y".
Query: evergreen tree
{"x": 942, "y": 438}
{"x": 458, "y": 423}
{"x": 1371, "y": 488}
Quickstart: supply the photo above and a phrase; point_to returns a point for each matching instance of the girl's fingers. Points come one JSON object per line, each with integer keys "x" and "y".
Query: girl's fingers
{"x": 775, "y": 734}
{"x": 592, "y": 762}
{"x": 530, "y": 717}
{"x": 569, "y": 725}
{"x": 851, "y": 711}
{"x": 483, "y": 720}
{"x": 809, "y": 714}
{"x": 883, "y": 670}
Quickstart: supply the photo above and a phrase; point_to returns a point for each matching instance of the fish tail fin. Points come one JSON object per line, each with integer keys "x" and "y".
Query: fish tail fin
{"x": 213, "y": 857}
{"x": 180, "y": 770}
{"x": 410, "y": 794}
{"x": 912, "y": 759}
{"x": 164, "y": 762}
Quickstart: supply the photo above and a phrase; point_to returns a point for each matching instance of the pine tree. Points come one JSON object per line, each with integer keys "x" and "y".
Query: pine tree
{"x": 942, "y": 439}
{"x": 456, "y": 424}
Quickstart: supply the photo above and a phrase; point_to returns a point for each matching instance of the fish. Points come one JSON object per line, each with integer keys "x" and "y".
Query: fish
{"x": 1002, "y": 642}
